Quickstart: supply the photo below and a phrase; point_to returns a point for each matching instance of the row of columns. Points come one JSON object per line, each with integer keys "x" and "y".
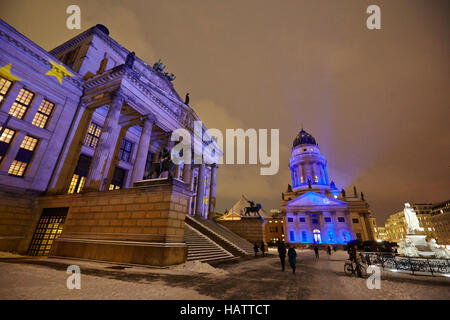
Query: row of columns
{"x": 309, "y": 170}
{"x": 101, "y": 168}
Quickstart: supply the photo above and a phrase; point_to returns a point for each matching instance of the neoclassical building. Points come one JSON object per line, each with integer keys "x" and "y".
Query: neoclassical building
{"x": 315, "y": 210}
{"x": 85, "y": 121}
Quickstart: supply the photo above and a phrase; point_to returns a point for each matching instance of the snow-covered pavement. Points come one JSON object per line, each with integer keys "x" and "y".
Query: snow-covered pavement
{"x": 259, "y": 278}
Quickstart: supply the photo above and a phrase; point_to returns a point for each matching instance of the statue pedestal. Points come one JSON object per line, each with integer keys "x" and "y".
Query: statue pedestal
{"x": 420, "y": 242}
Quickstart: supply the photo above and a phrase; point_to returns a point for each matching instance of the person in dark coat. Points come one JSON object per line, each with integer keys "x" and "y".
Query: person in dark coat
{"x": 255, "y": 248}
{"x": 334, "y": 248}
{"x": 292, "y": 256}
{"x": 329, "y": 250}
{"x": 262, "y": 249}
{"x": 282, "y": 254}
{"x": 316, "y": 251}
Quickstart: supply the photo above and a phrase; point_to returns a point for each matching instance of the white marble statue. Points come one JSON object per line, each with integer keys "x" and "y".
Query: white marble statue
{"x": 411, "y": 219}
{"x": 407, "y": 248}
{"x": 439, "y": 251}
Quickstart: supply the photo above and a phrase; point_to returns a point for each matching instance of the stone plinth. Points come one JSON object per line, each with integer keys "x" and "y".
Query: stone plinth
{"x": 140, "y": 225}
{"x": 249, "y": 228}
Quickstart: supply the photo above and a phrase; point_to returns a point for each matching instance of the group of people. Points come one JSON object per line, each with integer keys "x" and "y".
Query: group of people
{"x": 263, "y": 249}
{"x": 292, "y": 256}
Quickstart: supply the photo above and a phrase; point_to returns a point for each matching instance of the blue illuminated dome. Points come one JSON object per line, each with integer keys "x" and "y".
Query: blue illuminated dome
{"x": 303, "y": 137}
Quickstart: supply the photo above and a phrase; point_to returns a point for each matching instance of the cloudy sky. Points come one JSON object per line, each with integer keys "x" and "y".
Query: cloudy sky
{"x": 377, "y": 101}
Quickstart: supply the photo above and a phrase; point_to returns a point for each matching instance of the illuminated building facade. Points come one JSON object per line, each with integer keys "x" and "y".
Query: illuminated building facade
{"x": 434, "y": 219}
{"x": 315, "y": 211}
{"x": 396, "y": 227}
{"x": 87, "y": 116}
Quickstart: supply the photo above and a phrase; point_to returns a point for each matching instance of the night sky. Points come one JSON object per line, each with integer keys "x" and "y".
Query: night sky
{"x": 376, "y": 101}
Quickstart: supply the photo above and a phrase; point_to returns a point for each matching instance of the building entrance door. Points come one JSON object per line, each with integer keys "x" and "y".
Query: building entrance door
{"x": 316, "y": 236}
{"x": 49, "y": 227}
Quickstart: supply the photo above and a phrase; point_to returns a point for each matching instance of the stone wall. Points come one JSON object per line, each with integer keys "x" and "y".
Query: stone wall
{"x": 16, "y": 219}
{"x": 251, "y": 229}
{"x": 140, "y": 225}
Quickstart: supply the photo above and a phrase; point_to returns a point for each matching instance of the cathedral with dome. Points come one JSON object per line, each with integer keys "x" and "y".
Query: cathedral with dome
{"x": 315, "y": 210}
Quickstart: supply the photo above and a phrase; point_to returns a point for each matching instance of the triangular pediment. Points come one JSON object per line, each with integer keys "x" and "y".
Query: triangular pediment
{"x": 311, "y": 198}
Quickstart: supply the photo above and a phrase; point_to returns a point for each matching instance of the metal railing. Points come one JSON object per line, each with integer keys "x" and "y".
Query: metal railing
{"x": 397, "y": 263}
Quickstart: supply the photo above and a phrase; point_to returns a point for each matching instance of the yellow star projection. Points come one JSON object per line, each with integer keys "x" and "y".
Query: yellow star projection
{"x": 5, "y": 72}
{"x": 59, "y": 71}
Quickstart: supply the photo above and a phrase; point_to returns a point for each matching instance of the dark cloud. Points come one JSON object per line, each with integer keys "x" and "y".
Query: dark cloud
{"x": 376, "y": 101}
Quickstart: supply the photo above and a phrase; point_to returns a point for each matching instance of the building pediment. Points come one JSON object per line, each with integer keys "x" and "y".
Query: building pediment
{"x": 313, "y": 199}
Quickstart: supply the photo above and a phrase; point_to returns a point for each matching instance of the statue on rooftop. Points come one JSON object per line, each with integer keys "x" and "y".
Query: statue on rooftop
{"x": 129, "y": 61}
{"x": 158, "y": 66}
{"x": 186, "y": 100}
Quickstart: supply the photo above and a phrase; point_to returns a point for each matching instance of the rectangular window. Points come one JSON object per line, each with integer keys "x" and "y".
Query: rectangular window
{"x": 302, "y": 219}
{"x": 358, "y": 236}
{"x": 304, "y": 236}
{"x": 118, "y": 179}
{"x": 5, "y": 85}
{"x": 341, "y": 219}
{"x": 355, "y": 220}
{"x": 327, "y": 219}
{"x": 315, "y": 221}
{"x": 43, "y": 114}
{"x": 292, "y": 236}
{"x": 80, "y": 174}
{"x": 23, "y": 157}
{"x": 290, "y": 219}
{"x": 125, "y": 150}
{"x": 23, "y": 101}
{"x": 93, "y": 135}
{"x": 5, "y": 141}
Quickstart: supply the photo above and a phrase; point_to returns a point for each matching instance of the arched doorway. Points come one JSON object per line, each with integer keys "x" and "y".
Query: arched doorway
{"x": 316, "y": 236}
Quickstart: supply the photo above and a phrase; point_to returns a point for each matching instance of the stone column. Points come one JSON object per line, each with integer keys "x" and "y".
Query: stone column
{"x": 200, "y": 190}
{"x": 212, "y": 194}
{"x": 142, "y": 152}
{"x": 64, "y": 170}
{"x": 303, "y": 173}
{"x": 187, "y": 174}
{"x": 107, "y": 142}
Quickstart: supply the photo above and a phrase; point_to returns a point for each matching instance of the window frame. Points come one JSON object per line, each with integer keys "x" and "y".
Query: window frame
{"x": 27, "y": 107}
{"x": 49, "y": 115}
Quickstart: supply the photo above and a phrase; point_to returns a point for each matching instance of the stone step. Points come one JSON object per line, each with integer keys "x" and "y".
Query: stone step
{"x": 201, "y": 248}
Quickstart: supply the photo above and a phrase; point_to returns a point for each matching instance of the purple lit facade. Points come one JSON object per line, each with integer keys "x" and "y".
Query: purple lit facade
{"x": 315, "y": 210}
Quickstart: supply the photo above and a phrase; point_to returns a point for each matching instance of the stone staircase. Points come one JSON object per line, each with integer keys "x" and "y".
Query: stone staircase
{"x": 221, "y": 235}
{"x": 201, "y": 248}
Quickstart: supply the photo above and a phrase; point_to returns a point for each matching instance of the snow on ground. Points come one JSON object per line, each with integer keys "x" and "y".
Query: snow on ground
{"x": 254, "y": 278}
{"x": 201, "y": 267}
{"x": 21, "y": 281}
{"x": 330, "y": 282}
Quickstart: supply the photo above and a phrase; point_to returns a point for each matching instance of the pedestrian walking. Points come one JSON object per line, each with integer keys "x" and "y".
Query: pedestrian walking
{"x": 329, "y": 250}
{"x": 255, "y": 248}
{"x": 282, "y": 254}
{"x": 262, "y": 249}
{"x": 316, "y": 251}
{"x": 334, "y": 248}
{"x": 292, "y": 256}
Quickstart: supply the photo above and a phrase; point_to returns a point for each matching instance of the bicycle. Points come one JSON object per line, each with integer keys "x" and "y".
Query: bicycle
{"x": 358, "y": 270}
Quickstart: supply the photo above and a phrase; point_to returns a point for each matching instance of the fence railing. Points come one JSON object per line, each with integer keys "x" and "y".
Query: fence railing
{"x": 397, "y": 263}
